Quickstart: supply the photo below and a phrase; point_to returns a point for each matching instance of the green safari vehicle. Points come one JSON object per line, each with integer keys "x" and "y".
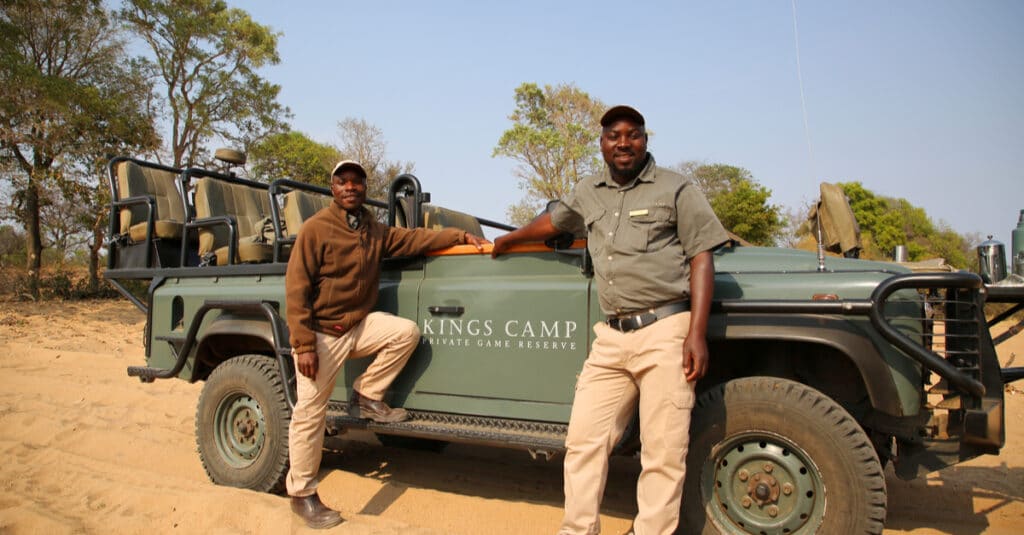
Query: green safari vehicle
{"x": 823, "y": 369}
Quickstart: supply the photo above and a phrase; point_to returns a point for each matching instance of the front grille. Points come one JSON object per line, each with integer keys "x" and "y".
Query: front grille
{"x": 948, "y": 322}
{"x": 955, "y": 327}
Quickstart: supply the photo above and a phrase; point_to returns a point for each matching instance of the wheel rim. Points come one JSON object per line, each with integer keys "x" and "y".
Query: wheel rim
{"x": 239, "y": 429}
{"x": 761, "y": 483}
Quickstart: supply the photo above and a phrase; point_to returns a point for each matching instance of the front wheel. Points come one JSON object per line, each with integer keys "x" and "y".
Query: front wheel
{"x": 772, "y": 456}
{"x": 242, "y": 425}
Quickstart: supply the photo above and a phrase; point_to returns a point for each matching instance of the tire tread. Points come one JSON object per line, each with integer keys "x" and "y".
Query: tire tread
{"x": 819, "y": 406}
{"x": 267, "y": 371}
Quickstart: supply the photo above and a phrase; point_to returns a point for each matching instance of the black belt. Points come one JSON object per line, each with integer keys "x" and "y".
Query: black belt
{"x": 638, "y": 320}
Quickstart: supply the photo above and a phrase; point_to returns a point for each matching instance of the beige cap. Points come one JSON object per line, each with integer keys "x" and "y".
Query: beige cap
{"x": 617, "y": 113}
{"x": 351, "y": 164}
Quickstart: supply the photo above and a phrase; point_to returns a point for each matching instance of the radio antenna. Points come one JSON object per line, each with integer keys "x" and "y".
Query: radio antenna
{"x": 803, "y": 100}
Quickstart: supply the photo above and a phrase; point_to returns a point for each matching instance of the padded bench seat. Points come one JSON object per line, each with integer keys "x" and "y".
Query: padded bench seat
{"x": 249, "y": 206}
{"x": 301, "y": 205}
{"x": 134, "y": 180}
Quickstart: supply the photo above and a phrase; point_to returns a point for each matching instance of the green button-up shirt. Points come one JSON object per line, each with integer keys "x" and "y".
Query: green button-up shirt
{"x": 641, "y": 235}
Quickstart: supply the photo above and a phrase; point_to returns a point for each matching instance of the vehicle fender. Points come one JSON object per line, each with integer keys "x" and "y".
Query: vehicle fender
{"x": 836, "y": 332}
{"x": 230, "y": 335}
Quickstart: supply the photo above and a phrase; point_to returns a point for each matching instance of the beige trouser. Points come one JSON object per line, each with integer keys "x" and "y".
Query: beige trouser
{"x": 391, "y": 338}
{"x": 621, "y": 366}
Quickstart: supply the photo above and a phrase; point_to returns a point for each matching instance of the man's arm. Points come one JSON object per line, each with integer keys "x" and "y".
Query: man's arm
{"x": 702, "y": 287}
{"x": 413, "y": 242}
{"x": 298, "y": 282}
{"x": 537, "y": 230}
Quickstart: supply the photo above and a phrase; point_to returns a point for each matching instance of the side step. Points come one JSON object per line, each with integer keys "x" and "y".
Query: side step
{"x": 515, "y": 434}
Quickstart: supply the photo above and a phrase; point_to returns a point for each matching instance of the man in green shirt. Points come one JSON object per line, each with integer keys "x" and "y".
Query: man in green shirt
{"x": 650, "y": 232}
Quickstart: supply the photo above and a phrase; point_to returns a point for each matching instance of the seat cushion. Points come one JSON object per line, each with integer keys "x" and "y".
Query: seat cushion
{"x": 251, "y": 250}
{"x": 249, "y": 205}
{"x": 166, "y": 229}
{"x": 135, "y": 180}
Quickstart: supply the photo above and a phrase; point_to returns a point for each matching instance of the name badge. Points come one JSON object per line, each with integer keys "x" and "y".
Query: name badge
{"x": 635, "y": 213}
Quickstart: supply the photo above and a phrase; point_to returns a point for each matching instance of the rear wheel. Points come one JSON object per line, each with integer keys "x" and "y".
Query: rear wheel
{"x": 242, "y": 425}
{"x": 772, "y": 456}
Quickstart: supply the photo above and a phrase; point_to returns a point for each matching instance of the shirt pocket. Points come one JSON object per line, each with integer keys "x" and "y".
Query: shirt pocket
{"x": 596, "y": 225}
{"x": 592, "y": 220}
{"x": 650, "y": 229}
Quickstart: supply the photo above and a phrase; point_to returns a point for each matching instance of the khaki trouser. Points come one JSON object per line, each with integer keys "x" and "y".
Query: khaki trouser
{"x": 391, "y": 338}
{"x": 622, "y": 366}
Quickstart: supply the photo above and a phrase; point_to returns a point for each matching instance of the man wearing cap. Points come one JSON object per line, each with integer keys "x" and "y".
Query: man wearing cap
{"x": 650, "y": 232}
{"x": 330, "y": 290}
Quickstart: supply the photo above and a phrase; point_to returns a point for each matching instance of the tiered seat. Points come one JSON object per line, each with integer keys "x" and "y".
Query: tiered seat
{"x": 436, "y": 217}
{"x": 148, "y": 215}
{"x": 158, "y": 185}
{"x": 299, "y": 206}
{"x": 223, "y": 206}
{"x": 292, "y": 203}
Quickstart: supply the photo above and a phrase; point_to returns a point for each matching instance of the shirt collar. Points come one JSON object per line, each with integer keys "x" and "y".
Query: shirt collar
{"x": 647, "y": 174}
{"x": 363, "y": 214}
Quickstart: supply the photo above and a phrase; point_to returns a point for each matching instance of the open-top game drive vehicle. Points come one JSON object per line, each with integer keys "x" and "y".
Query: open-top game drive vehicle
{"x": 823, "y": 369}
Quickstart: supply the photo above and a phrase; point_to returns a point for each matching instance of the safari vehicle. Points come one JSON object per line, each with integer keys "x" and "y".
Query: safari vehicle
{"x": 823, "y": 368}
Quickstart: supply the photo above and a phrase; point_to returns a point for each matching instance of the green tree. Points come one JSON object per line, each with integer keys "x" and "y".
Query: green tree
{"x": 554, "y": 139}
{"x": 67, "y": 92}
{"x": 293, "y": 155}
{"x": 744, "y": 209}
{"x": 716, "y": 178}
{"x": 886, "y": 222}
{"x": 881, "y": 227}
{"x": 955, "y": 248}
{"x": 205, "y": 56}
{"x": 740, "y": 203}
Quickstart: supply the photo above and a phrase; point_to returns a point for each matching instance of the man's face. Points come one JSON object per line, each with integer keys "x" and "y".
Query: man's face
{"x": 349, "y": 189}
{"x": 624, "y": 147}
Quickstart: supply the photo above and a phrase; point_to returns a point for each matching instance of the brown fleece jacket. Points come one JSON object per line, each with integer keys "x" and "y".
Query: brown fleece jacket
{"x": 333, "y": 271}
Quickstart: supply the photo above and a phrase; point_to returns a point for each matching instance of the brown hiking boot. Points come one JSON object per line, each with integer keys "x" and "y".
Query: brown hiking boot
{"x": 361, "y": 406}
{"x": 314, "y": 513}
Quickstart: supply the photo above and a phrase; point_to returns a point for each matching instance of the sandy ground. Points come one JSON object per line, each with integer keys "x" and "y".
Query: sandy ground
{"x": 86, "y": 449}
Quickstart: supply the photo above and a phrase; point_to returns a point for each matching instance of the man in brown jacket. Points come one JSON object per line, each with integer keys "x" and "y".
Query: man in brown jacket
{"x": 331, "y": 288}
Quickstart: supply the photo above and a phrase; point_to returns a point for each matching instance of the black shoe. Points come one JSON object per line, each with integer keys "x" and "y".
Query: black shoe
{"x": 314, "y": 513}
{"x": 360, "y": 406}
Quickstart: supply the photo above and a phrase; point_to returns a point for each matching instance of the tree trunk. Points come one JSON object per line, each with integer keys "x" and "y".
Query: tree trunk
{"x": 98, "y": 233}
{"x": 33, "y": 235}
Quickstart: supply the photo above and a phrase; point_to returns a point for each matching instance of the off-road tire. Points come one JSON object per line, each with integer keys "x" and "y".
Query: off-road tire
{"x": 242, "y": 425}
{"x": 835, "y": 480}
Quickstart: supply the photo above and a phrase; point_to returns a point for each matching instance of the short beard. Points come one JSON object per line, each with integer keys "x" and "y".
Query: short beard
{"x": 632, "y": 172}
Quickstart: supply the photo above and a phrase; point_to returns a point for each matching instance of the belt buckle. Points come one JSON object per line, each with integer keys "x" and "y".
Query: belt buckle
{"x": 630, "y": 323}
{"x": 619, "y": 324}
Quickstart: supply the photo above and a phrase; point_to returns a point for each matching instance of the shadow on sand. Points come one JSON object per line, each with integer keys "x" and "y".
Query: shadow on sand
{"x": 946, "y": 500}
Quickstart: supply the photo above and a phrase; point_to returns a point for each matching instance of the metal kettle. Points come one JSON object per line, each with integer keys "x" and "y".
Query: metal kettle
{"x": 992, "y": 260}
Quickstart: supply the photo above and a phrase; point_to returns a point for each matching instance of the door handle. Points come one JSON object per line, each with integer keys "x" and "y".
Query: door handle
{"x": 450, "y": 310}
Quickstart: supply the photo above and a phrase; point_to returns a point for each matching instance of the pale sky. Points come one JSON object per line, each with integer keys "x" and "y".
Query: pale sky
{"x": 915, "y": 99}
